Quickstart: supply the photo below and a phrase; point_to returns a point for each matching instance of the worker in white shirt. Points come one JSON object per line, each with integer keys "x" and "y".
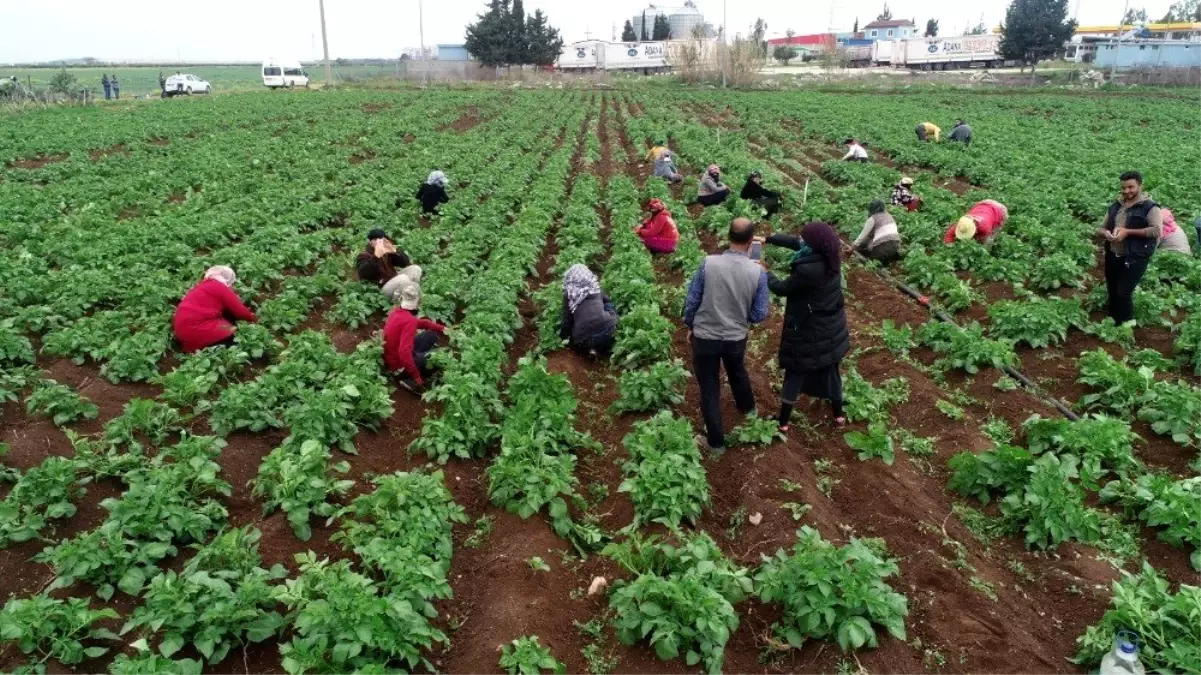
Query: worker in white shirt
{"x": 855, "y": 152}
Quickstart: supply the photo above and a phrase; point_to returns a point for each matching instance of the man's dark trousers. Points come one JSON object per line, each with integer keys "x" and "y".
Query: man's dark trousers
{"x": 707, "y": 358}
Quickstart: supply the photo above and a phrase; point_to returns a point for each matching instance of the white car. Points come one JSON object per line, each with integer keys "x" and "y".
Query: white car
{"x": 186, "y": 84}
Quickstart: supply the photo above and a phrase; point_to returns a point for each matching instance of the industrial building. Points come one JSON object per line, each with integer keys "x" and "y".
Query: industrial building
{"x": 1085, "y": 41}
{"x": 682, "y": 19}
{"x": 453, "y": 52}
{"x": 1129, "y": 54}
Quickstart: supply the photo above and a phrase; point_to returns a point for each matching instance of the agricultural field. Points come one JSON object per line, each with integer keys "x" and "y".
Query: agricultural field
{"x": 280, "y": 506}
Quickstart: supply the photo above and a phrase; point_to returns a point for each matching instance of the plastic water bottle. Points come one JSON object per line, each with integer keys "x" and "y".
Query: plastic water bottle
{"x": 1123, "y": 658}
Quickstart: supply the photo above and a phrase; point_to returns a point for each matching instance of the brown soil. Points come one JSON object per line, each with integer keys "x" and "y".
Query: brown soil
{"x": 159, "y": 140}
{"x": 1030, "y": 626}
{"x": 375, "y": 108}
{"x": 36, "y": 162}
{"x": 466, "y": 121}
{"x": 360, "y": 157}
{"x": 118, "y": 149}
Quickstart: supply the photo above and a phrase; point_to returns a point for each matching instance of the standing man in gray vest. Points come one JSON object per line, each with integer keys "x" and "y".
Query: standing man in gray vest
{"x": 726, "y": 295}
{"x": 1131, "y": 232}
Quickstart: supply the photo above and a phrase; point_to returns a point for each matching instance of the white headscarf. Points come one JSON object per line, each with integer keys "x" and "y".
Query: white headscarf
{"x": 578, "y": 284}
{"x": 221, "y": 273}
{"x": 437, "y": 178}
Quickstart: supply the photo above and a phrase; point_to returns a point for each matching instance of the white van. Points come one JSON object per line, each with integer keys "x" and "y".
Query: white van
{"x": 284, "y": 74}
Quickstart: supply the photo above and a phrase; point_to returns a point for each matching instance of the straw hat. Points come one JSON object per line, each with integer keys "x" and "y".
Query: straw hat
{"x": 965, "y": 229}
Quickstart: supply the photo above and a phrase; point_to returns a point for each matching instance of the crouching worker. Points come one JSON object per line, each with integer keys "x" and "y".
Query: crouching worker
{"x": 902, "y": 195}
{"x": 1172, "y": 237}
{"x": 665, "y": 167}
{"x": 711, "y": 190}
{"x": 589, "y": 319}
{"x": 432, "y": 193}
{"x": 981, "y": 223}
{"x": 659, "y": 231}
{"x": 753, "y": 191}
{"x": 880, "y": 239}
{"x": 206, "y": 315}
{"x": 383, "y": 264}
{"x": 407, "y": 351}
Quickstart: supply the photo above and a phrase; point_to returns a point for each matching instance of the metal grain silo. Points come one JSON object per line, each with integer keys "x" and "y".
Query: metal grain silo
{"x": 684, "y": 20}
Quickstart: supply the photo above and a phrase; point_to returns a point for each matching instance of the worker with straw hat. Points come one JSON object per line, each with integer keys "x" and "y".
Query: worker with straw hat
{"x": 982, "y": 223}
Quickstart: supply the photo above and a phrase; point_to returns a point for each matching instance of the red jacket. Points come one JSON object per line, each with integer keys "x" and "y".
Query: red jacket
{"x": 989, "y": 216}
{"x": 204, "y": 316}
{"x": 660, "y": 226}
{"x": 399, "y": 332}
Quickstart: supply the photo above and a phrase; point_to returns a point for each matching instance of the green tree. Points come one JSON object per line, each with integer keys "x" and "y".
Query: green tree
{"x": 886, "y": 15}
{"x": 979, "y": 29}
{"x": 1183, "y": 10}
{"x": 931, "y": 27}
{"x": 856, "y": 28}
{"x": 62, "y": 82}
{"x": 519, "y": 47}
{"x": 505, "y": 36}
{"x": 1035, "y": 29}
{"x": 543, "y": 40}
{"x": 645, "y": 36}
{"x": 487, "y": 38}
{"x": 1134, "y": 16}
{"x": 759, "y": 35}
{"x": 784, "y": 53}
{"x": 627, "y": 33}
{"x": 662, "y": 28}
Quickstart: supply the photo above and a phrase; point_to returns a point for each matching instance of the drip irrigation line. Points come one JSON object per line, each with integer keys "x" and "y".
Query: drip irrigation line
{"x": 946, "y": 318}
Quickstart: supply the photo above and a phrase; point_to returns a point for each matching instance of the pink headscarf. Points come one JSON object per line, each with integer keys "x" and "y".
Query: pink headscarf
{"x": 1169, "y": 223}
{"x": 714, "y": 170}
{"x": 221, "y": 273}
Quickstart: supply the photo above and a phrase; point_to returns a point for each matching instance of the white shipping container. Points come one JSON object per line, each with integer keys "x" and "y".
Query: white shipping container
{"x": 882, "y": 51}
{"x": 582, "y": 55}
{"x": 636, "y": 56}
{"x": 968, "y": 49}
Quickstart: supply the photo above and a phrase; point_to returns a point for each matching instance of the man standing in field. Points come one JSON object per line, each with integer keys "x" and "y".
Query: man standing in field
{"x": 116, "y": 88}
{"x": 108, "y": 87}
{"x": 726, "y": 295}
{"x": 961, "y": 133}
{"x": 927, "y": 129}
{"x": 1131, "y": 232}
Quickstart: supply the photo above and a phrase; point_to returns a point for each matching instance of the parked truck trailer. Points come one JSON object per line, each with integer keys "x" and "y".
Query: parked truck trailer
{"x": 967, "y": 51}
{"x": 642, "y": 57}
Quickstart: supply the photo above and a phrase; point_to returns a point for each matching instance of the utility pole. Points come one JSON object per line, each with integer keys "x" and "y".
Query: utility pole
{"x": 329, "y": 76}
{"x": 1117, "y": 49}
{"x": 725, "y": 46}
{"x": 421, "y": 26}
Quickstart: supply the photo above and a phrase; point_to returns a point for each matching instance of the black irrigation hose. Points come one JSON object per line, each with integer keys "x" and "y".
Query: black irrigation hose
{"x": 946, "y": 318}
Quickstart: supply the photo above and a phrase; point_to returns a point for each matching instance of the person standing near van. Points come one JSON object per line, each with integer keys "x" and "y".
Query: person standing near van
{"x": 162, "y": 83}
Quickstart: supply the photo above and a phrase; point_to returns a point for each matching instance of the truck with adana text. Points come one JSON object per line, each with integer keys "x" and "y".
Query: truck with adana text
{"x": 946, "y": 53}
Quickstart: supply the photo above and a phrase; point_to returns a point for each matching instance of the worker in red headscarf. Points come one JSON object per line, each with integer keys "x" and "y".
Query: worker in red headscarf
{"x": 659, "y": 231}
{"x": 206, "y": 315}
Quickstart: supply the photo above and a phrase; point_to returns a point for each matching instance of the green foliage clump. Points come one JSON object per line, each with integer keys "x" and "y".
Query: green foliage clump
{"x": 828, "y": 591}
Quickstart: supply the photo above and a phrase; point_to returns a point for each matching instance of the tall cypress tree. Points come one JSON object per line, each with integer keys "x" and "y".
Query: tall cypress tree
{"x": 662, "y": 28}
{"x": 487, "y": 38}
{"x": 644, "y": 37}
{"x": 627, "y": 33}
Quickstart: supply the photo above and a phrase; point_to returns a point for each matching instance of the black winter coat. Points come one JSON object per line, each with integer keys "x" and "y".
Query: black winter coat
{"x": 431, "y": 196}
{"x": 815, "y": 332}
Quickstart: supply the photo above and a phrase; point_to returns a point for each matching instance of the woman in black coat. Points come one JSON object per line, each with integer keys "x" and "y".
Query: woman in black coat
{"x": 815, "y": 336}
{"x": 432, "y": 193}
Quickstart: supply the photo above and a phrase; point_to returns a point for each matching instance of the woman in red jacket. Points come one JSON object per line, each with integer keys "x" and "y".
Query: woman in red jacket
{"x": 206, "y": 314}
{"x": 407, "y": 351}
{"x": 659, "y": 231}
{"x": 981, "y": 223}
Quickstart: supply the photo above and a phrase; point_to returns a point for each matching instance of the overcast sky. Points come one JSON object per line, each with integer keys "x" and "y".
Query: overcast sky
{"x": 250, "y": 30}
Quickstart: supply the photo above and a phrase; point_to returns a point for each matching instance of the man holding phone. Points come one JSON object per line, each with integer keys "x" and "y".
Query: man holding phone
{"x": 1131, "y": 233}
{"x": 726, "y": 295}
